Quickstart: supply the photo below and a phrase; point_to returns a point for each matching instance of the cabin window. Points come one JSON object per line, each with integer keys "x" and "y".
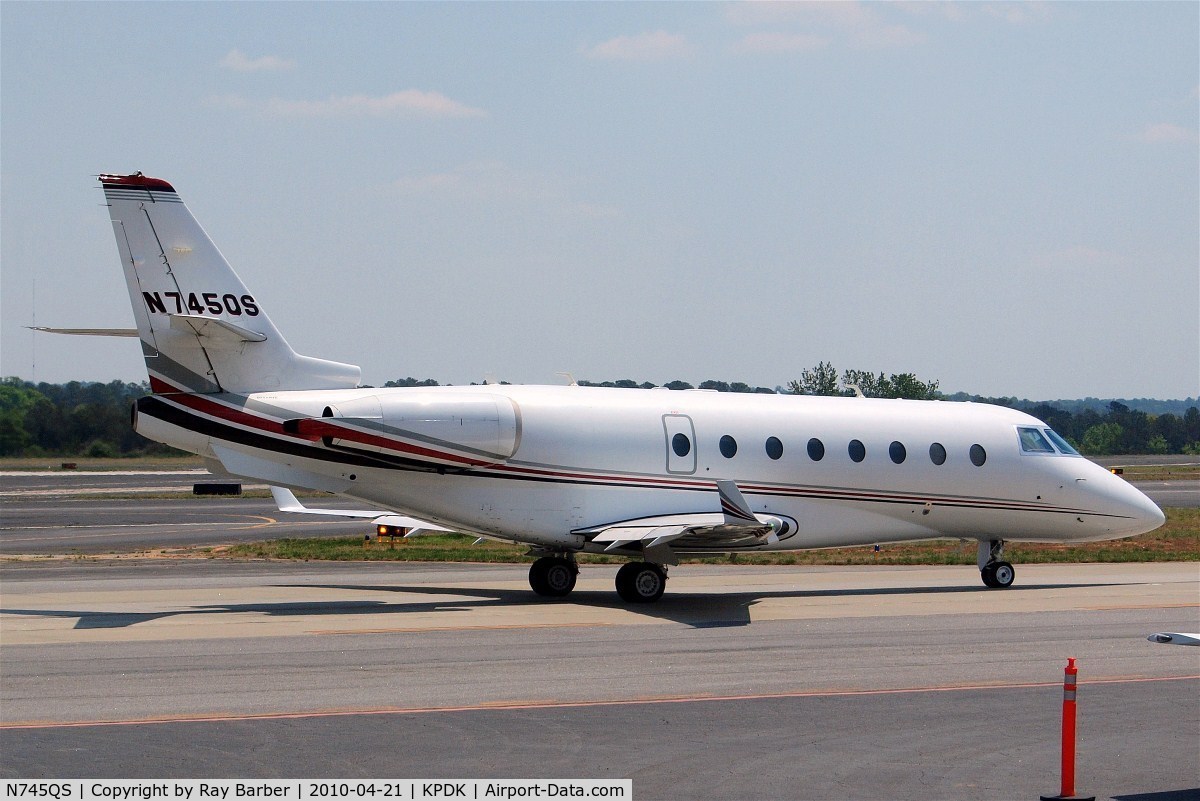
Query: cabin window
{"x": 1061, "y": 443}
{"x": 897, "y": 452}
{"x": 978, "y": 455}
{"x": 681, "y": 444}
{"x": 728, "y": 446}
{"x": 816, "y": 449}
{"x": 774, "y": 447}
{"x": 1032, "y": 441}
{"x": 857, "y": 450}
{"x": 937, "y": 453}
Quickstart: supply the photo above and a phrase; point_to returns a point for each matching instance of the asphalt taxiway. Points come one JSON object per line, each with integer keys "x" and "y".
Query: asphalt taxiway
{"x": 800, "y": 682}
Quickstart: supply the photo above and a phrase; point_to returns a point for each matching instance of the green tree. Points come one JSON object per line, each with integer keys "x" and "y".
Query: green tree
{"x": 16, "y": 401}
{"x": 820, "y": 380}
{"x": 1102, "y": 439}
{"x": 411, "y": 382}
{"x": 907, "y": 385}
{"x": 871, "y": 385}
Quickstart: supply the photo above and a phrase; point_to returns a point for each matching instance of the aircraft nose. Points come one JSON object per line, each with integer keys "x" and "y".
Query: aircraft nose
{"x": 1153, "y": 517}
{"x": 1141, "y": 513}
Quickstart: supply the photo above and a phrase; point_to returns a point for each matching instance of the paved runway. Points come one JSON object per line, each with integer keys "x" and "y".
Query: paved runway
{"x": 801, "y": 682}
{"x": 100, "y": 512}
{"x": 40, "y": 525}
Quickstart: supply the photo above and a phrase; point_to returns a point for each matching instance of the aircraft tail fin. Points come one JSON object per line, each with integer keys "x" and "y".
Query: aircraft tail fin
{"x": 201, "y": 329}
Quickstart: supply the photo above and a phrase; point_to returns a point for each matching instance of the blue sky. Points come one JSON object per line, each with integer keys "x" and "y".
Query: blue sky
{"x": 1002, "y": 197}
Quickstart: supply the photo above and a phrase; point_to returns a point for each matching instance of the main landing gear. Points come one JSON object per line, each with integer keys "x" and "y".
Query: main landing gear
{"x": 641, "y": 582}
{"x": 553, "y": 576}
{"x": 994, "y": 571}
{"x": 637, "y": 582}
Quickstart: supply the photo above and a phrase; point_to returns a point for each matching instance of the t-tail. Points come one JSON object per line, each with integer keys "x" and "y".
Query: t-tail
{"x": 201, "y": 329}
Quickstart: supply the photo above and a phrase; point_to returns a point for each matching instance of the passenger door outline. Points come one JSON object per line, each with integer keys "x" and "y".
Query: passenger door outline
{"x": 674, "y": 424}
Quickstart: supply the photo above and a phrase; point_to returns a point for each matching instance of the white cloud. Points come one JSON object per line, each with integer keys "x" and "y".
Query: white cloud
{"x": 238, "y": 61}
{"x": 1166, "y": 133}
{"x": 496, "y": 182}
{"x": 1018, "y": 13}
{"x": 859, "y": 25}
{"x": 485, "y": 180}
{"x": 227, "y": 101}
{"x": 775, "y": 42}
{"x": 655, "y": 46}
{"x": 409, "y": 101}
{"x": 880, "y": 36}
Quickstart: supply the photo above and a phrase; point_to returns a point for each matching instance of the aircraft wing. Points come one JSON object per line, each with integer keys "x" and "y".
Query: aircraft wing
{"x": 735, "y": 526}
{"x": 1174, "y": 638}
{"x": 287, "y": 501}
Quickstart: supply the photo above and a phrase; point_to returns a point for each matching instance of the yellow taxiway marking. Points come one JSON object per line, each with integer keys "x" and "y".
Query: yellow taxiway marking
{"x": 556, "y": 704}
{"x": 497, "y": 627}
{"x": 1139, "y": 606}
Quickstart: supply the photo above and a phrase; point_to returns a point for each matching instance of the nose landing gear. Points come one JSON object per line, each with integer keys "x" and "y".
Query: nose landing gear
{"x": 994, "y": 571}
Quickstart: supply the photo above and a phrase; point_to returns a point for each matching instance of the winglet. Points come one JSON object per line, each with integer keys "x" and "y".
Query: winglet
{"x": 733, "y": 505}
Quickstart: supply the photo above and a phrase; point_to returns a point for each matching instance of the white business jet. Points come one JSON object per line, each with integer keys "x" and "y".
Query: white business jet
{"x": 651, "y": 475}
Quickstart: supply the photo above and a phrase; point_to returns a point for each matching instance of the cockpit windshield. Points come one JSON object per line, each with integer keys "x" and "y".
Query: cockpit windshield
{"x": 1032, "y": 441}
{"x": 1037, "y": 440}
{"x": 1061, "y": 443}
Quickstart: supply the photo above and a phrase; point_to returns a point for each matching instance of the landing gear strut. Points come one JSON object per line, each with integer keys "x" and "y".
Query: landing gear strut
{"x": 553, "y": 576}
{"x": 641, "y": 582}
{"x": 994, "y": 571}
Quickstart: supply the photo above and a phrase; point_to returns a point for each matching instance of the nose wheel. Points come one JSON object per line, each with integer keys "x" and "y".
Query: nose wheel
{"x": 998, "y": 575}
{"x": 995, "y": 572}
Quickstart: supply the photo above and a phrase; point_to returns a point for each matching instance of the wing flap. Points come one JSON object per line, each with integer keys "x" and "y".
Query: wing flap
{"x": 736, "y": 526}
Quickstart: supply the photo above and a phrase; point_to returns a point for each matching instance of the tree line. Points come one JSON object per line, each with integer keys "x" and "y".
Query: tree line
{"x": 79, "y": 418}
{"x": 82, "y": 418}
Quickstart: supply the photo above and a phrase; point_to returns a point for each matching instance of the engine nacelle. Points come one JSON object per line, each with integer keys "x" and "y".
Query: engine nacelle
{"x": 486, "y": 429}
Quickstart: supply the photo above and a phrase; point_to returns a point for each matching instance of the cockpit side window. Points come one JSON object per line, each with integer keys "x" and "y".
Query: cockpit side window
{"x": 1060, "y": 443}
{"x": 1032, "y": 441}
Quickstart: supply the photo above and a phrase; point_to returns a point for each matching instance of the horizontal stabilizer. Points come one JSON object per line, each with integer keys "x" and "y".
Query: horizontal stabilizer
{"x": 87, "y": 332}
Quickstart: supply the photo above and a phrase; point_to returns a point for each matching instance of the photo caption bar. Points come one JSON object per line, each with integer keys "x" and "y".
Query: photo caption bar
{"x": 310, "y": 789}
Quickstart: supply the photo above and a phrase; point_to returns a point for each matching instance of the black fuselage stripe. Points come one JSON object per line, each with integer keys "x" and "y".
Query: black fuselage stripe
{"x": 169, "y": 413}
